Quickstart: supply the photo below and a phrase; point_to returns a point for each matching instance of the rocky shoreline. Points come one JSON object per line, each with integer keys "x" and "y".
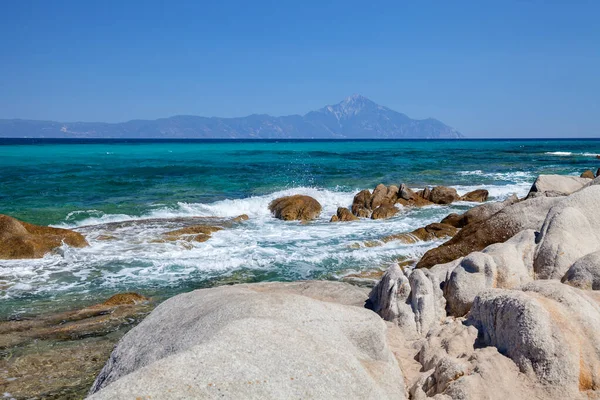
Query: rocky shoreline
{"x": 506, "y": 308}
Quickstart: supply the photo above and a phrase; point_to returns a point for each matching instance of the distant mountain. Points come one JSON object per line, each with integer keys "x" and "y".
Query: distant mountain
{"x": 356, "y": 117}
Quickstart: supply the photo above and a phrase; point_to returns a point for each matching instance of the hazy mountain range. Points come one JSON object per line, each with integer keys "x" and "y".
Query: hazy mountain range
{"x": 356, "y": 117}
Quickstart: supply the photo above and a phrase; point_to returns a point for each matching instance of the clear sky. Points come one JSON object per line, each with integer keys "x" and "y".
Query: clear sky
{"x": 522, "y": 68}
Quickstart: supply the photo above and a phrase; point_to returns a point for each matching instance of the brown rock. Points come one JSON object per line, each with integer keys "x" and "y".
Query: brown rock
{"x": 478, "y": 213}
{"x": 588, "y": 174}
{"x": 240, "y": 218}
{"x": 425, "y": 193}
{"x": 22, "y": 240}
{"x": 416, "y": 201}
{"x": 343, "y": 214}
{"x": 297, "y": 207}
{"x": 479, "y": 195}
{"x": 383, "y": 195}
{"x": 498, "y": 228}
{"x": 125, "y": 298}
{"x": 406, "y": 193}
{"x": 361, "y": 205}
{"x": 429, "y": 232}
{"x": 443, "y": 195}
{"x": 384, "y": 211}
{"x": 455, "y": 220}
{"x": 195, "y": 233}
{"x": 598, "y": 173}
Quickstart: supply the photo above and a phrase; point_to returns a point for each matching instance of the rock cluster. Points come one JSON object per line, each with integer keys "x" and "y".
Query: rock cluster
{"x": 516, "y": 319}
{"x": 381, "y": 203}
{"x": 22, "y": 240}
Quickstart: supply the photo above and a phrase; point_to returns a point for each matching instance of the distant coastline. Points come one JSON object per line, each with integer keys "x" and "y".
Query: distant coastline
{"x": 356, "y": 117}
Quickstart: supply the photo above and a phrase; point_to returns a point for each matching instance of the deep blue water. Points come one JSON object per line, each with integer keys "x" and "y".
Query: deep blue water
{"x": 89, "y": 182}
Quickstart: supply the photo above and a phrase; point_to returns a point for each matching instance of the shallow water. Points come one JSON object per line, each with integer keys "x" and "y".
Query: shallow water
{"x": 87, "y": 185}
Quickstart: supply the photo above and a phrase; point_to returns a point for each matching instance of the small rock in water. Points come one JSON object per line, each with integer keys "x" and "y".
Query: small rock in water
{"x": 479, "y": 195}
{"x": 589, "y": 174}
{"x": 343, "y": 214}
{"x": 297, "y": 207}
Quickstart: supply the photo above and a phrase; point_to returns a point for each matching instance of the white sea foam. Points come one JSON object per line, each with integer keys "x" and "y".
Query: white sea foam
{"x": 134, "y": 258}
{"x": 570, "y": 153}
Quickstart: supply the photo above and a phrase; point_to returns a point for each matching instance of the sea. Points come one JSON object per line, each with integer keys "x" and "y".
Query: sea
{"x": 149, "y": 186}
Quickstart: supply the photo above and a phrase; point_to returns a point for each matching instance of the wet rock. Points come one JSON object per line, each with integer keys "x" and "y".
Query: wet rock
{"x": 195, "y": 233}
{"x": 384, "y": 212}
{"x": 343, "y": 214}
{"x": 479, "y": 195}
{"x": 59, "y": 355}
{"x": 443, "y": 195}
{"x": 598, "y": 172}
{"x": 430, "y": 232}
{"x": 406, "y": 193}
{"x": 556, "y": 185}
{"x": 588, "y": 174}
{"x": 297, "y": 207}
{"x": 240, "y": 218}
{"x": 361, "y": 204}
{"x": 332, "y": 350}
{"x": 501, "y": 226}
{"x": 20, "y": 240}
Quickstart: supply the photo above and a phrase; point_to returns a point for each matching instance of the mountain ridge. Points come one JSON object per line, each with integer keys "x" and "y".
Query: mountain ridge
{"x": 355, "y": 117}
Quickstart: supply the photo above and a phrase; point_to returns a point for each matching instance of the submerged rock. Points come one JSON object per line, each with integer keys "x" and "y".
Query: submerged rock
{"x": 20, "y": 240}
{"x": 195, "y": 233}
{"x": 443, "y": 195}
{"x": 228, "y": 342}
{"x": 296, "y": 207}
{"x": 430, "y": 232}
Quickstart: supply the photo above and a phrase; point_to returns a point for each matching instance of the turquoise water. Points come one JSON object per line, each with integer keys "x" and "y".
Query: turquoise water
{"x": 85, "y": 185}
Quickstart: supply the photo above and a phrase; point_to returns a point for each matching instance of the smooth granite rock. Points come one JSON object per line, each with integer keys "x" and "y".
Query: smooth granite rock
{"x": 570, "y": 231}
{"x": 262, "y": 341}
{"x": 556, "y": 185}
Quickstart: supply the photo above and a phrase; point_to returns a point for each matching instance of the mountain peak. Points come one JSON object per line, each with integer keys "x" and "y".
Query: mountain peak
{"x": 350, "y": 106}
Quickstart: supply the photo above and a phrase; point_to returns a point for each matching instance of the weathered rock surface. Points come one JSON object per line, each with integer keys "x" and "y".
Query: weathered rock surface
{"x": 430, "y": 232}
{"x": 255, "y": 341}
{"x": 571, "y": 230}
{"x": 479, "y": 213}
{"x": 556, "y": 185}
{"x": 343, "y": 214}
{"x": 414, "y": 301}
{"x": 479, "y": 195}
{"x": 383, "y": 195}
{"x": 550, "y": 330}
{"x": 22, "y": 240}
{"x": 501, "y": 226}
{"x": 296, "y": 207}
{"x": 584, "y": 273}
{"x": 502, "y": 265}
{"x": 589, "y": 174}
{"x": 384, "y": 212}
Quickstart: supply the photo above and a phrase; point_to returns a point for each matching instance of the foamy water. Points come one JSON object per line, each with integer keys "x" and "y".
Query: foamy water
{"x": 133, "y": 257}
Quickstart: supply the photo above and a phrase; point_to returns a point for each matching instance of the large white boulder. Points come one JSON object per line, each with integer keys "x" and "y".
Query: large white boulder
{"x": 263, "y": 341}
{"x": 550, "y": 330}
{"x": 501, "y": 265}
{"x": 584, "y": 273}
{"x": 556, "y": 185}
{"x": 570, "y": 231}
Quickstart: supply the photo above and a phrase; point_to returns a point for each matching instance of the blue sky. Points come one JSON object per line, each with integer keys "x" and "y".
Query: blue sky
{"x": 523, "y": 68}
